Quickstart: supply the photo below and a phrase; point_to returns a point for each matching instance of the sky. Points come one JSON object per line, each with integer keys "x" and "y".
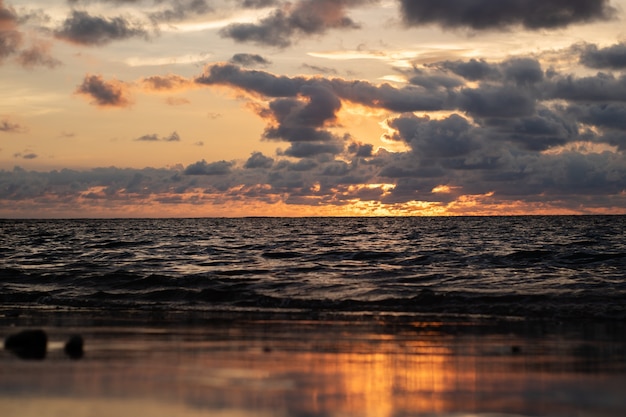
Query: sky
{"x": 194, "y": 108}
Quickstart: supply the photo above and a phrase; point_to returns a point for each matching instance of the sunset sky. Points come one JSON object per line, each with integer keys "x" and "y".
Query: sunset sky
{"x": 186, "y": 108}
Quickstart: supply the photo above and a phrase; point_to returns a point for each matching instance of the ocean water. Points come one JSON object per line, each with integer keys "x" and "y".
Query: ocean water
{"x": 562, "y": 267}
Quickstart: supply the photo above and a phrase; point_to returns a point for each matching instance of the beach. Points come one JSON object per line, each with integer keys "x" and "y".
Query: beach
{"x": 284, "y": 364}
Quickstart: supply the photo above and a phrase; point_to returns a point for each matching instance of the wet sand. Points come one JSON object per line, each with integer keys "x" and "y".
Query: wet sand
{"x": 324, "y": 366}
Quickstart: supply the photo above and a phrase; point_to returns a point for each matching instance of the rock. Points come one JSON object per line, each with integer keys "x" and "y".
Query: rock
{"x": 74, "y": 347}
{"x": 28, "y": 344}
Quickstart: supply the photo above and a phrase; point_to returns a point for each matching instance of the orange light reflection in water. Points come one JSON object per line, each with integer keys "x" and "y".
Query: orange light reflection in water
{"x": 315, "y": 370}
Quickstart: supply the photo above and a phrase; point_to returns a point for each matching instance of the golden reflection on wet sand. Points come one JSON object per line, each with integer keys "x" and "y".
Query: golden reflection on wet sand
{"x": 316, "y": 369}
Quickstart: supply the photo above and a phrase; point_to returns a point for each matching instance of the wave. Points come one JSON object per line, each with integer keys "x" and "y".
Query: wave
{"x": 573, "y": 267}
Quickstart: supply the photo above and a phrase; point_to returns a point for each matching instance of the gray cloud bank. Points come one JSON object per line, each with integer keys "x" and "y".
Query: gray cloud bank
{"x": 489, "y": 14}
{"x": 519, "y": 134}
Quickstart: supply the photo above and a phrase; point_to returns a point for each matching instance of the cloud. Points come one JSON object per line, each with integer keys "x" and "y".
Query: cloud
{"x": 259, "y": 4}
{"x": 385, "y": 96}
{"x": 505, "y": 131}
{"x": 10, "y": 37}
{"x": 299, "y": 111}
{"x": 363, "y": 150}
{"x": 258, "y": 160}
{"x": 602, "y": 87}
{"x": 319, "y": 69}
{"x": 249, "y": 60}
{"x": 494, "y": 143}
{"x": 174, "y": 137}
{"x": 293, "y": 21}
{"x": 434, "y": 139}
{"x": 312, "y": 149}
{"x": 166, "y": 82}
{"x": 496, "y": 102}
{"x": 503, "y": 14}
{"x": 7, "y": 126}
{"x": 177, "y": 101}
{"x": 37, "y": 55}
{"x": 611, "y": 57}
{"x": 103, "y": 93}
{"x": 82, "y": 28}
{"x": 180, "y": 10}
{"x": 212, "y": 168}
{"x": 472, "y": 70}
{"x": 260, "y": 82}
{"x": 26, "y": 155}
{"x": 609, "y": 115}
{"x": 12, "y": 42}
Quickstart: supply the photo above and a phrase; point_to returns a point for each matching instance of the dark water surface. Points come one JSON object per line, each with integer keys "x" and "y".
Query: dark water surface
{"x": 544, "y": 267}
{"x": 325, "y": 317}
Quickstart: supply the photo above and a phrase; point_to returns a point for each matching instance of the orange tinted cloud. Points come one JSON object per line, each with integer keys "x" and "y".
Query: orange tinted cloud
{"x": 104, "y": 93}
{"x": 170, "y": 82}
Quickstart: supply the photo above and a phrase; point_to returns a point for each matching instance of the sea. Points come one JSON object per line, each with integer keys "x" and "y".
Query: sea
{"x": 538, "y": 267}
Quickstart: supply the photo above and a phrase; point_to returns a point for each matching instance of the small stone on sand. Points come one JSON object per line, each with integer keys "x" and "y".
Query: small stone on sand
{"x": 74, "y": 347}
{"x": 28, "y": 344}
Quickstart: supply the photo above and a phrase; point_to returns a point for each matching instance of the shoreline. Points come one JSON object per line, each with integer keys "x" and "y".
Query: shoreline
{"x": 289, "y": 365}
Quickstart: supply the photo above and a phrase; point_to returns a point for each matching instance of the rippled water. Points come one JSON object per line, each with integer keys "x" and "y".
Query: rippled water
{"x": 556, "y": 266}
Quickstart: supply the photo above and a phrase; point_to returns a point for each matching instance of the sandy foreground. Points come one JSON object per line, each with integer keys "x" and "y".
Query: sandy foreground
{"x": 276, "y": 365}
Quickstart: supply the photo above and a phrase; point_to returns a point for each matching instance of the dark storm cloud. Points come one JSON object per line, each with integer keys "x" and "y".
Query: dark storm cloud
{"x": 472, "y": 70}
{"x": 104, "y": 93}
{"x": 542, "y": 131}
{"x": 318, "y": 110}
{"x": 249, "y": 60}
{"x": 304, "y": 18}
{"x": 312, "y": 149}
{"x": 614, "y": 138}
{"x": 410, "y": 98}
{"x": 295, "y": 120}
{"x": 174, "y": 137}
{"x": 502, "y": 14}
{"x": 496, "y": 102}
{"x": 524, "y": 72}
{"x": 258, "y": 160}
{"x": 611, "y": 57}
{"x": 300, "y": 110}
{"x": 432, "y": 139}
{"x": 602, "y": 87}
{"x": 494, "y": 141}
{"x": 432, "y": 81}
{"x": 82, "y": 28}
{"x": 607, "y": 115}
{"x": 385, "y": 96}
{"x": 260, "y": 82}
{"x": 212, "y": 168}
{"x": 361, "y": 149}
